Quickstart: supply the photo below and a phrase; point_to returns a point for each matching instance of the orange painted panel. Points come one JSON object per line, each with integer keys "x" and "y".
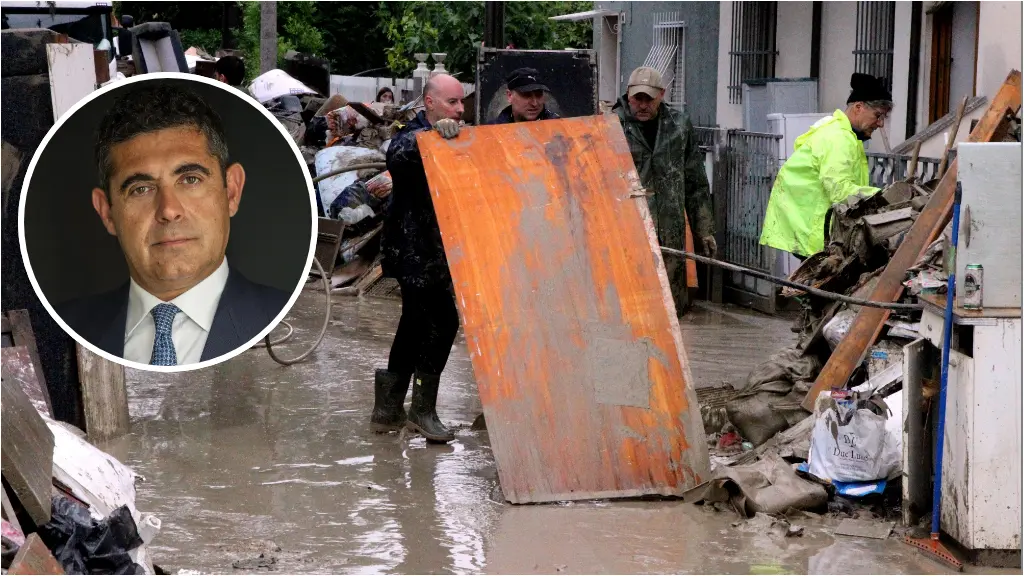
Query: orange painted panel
{"x": 567, "y": 311}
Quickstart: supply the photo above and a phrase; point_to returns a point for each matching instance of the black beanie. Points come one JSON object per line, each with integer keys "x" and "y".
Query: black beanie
{"x": 867, "y": 88}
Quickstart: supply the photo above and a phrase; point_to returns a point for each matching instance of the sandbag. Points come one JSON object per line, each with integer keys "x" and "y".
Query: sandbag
{"x": 771, "y": 400}
{"x": 770, "y": 486}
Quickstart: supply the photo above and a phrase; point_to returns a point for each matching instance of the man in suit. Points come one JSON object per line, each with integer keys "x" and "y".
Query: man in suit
{"x": 168, "y": 192}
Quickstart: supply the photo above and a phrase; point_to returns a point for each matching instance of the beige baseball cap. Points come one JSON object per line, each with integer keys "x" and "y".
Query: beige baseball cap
{"x": 647, "y": 80}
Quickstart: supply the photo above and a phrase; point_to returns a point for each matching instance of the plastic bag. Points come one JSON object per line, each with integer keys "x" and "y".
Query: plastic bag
{"x": 338, "y": 157}
{"x": 84, "y": 545}
{"x": 850, "y": 441}
{"x": 838, "y": 327}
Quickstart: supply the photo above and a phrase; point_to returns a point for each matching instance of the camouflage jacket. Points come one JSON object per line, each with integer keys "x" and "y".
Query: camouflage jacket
{"x": 411, "y": 239}
{"x": 672, "y": 173}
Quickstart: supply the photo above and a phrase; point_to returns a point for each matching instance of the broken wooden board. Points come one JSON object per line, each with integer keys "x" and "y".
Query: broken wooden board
{"x": 23, "y": 335}
{"x": 72, "y": 75}
{"x": 867, "y": 326}
{"x": 16, "y": 365}
{"x": 26, "y": 452}
{"x": 104, "y": 396}
{"x": 33, "y": 557}
{"x": 567, "y": 311}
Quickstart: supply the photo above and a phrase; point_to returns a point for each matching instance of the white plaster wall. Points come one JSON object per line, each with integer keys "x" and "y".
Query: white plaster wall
{"x": 838, "y": 39}
{"x": 896, "y": 127}
{"x": 727, "y": 115}
{"x": 793, "y": 39}
{"x": 999, "y": 44}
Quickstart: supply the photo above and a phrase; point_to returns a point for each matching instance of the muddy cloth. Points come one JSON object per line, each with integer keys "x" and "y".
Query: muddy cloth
{"x": 672, "y": 172}
{"x": 83, "y": 545}
{"x": 288, "y": 111}
{"x": 771, "y": 400}
{"x": 505, "y": 117}
{"x": 411, "y": 245}
{"x": 425, "y": 332}
{"x": 769, "y": 486}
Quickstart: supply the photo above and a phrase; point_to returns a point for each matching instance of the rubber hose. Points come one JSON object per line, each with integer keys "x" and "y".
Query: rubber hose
{"x": 323, "y": 329}
{"x": 366, "y": 166}
{"x": 809, "y": 289}
{"x": 282, "y": 340}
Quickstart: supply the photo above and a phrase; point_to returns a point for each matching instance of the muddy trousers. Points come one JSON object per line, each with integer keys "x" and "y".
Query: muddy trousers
{"x": 425, "y": 332}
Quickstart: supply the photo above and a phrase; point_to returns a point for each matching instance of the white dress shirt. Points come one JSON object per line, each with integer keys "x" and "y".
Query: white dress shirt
{"x": 191, "y": 325}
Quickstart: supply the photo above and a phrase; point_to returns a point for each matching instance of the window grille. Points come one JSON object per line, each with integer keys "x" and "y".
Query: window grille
{"x": 875, "y": 39}
{"x": 753, "y": 45}
{"x": 668, "y": 56}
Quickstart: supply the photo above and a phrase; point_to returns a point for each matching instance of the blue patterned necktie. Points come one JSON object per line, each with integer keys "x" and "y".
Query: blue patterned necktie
{"x": 163, "y": 346}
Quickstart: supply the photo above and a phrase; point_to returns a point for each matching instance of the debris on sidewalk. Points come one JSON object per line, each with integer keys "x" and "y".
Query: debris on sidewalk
{"x": 864, "y": 528}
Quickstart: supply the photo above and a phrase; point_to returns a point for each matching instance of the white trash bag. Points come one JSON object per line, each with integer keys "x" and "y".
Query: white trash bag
{"x": 850, "y": 444}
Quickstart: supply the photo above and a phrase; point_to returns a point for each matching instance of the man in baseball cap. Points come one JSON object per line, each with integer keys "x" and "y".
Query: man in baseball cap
{"x": 527, "y": 97}
{"x": 671, "y": 168}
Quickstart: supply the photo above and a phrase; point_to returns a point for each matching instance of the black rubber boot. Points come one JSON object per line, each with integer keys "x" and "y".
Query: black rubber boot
{"x": 389, "y": 390}
{"x": 423, "y": 411}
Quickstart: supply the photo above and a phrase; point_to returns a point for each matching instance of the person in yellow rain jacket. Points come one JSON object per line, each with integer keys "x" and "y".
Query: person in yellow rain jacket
{"x": 827, "y": 166}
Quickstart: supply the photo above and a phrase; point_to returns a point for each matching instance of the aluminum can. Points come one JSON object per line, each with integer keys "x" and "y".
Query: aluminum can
{"x": 973, "y": 287}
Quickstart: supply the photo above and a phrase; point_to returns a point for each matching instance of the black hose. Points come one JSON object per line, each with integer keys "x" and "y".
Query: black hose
{"x": 366, "y": 166}
{"x": 809, "y": 289}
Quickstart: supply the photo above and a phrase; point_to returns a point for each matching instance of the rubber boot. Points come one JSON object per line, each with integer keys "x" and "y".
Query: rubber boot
{"x": 389, "y": 390}
{"x": 423, "y": 411}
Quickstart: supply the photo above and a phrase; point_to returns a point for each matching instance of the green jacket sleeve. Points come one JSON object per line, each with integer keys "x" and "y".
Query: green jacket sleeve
{"x": 840, "y": 172}
{"x": 698, "y": 192}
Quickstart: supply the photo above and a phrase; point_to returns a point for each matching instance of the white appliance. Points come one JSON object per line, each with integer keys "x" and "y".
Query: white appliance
{"x": 776, "y": 96}
{"x": 981, "y": 465}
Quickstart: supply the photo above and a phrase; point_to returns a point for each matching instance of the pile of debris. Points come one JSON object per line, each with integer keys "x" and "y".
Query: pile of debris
{"x": 333, "y": 135}
{"x": 68, "y": 507}
{"x": 762, "y": 449}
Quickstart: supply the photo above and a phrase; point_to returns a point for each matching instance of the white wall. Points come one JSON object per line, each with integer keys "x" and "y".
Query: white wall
{"x": 727, "y": 115}
{"x": 838, "y": 39}
{"x": 896, "y": 127}
{"x": 999, "y": 44}
{"x": 793, "y": 39}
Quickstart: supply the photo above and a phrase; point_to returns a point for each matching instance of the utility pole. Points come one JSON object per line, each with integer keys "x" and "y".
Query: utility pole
{"x": 268, "y": 36}
{"x": 494, "y": 24}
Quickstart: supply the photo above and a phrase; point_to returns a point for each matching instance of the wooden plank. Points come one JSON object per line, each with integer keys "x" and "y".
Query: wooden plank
{"x": 34, "y": 557}
{"x": 26, "y": 452}
{"x": 17, "y": 366}
{"x": 21, "y": 328}
{"x": 567, "y": 311}
{"x": 72, "y": 75}
{"x": 929, "y": 224}
{"x": 104, "y": 396}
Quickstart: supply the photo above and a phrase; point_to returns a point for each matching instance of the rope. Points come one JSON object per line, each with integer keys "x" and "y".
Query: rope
{"x": 809, "y": 289}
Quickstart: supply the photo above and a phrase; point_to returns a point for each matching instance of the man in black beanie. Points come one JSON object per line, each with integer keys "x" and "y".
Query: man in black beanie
{"x": 828, "y": 165}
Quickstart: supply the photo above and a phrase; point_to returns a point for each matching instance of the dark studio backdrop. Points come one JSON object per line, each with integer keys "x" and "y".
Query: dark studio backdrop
{"x": 72, "y": 254}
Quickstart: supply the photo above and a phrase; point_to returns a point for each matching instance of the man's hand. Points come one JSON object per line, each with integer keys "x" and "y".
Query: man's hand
{"x": 447, "y": 128}
{"x": 710, "y": 246}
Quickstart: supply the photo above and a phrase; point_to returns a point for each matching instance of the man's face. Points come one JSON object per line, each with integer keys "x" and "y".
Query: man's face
{"x": 866, "y": 119}
{"x": 446, "y": 101}
{"x": 644, "y": 107}
{"x": 526, "y": 106}
{"x": 170, "y": 208}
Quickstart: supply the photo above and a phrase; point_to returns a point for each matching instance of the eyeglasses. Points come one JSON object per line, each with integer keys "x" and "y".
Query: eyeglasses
{"x": 880, "y": 114}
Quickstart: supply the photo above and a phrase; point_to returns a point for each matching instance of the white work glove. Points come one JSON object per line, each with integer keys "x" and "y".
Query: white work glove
{"x": 447, "y": 128}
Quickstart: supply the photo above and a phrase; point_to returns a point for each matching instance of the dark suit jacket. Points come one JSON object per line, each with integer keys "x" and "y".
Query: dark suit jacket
{"x": 245, "y": 308}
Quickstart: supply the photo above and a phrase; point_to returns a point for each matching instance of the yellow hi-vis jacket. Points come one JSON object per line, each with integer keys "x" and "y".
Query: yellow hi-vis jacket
{"x": 827, "y": 166}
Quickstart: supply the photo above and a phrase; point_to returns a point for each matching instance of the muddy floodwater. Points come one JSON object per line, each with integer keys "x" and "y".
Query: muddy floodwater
{"x": 253, "y": 467}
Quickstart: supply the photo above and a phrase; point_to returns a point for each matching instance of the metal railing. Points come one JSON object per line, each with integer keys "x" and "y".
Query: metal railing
{"x": 884, "y": 169}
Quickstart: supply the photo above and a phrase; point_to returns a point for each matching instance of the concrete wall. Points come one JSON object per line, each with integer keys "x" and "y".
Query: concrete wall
{"x": 728, "y": 115}
{"x": 637, "y": 37}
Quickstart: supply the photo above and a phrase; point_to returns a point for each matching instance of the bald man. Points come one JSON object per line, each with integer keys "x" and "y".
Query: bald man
{"x": 414, "y": 255}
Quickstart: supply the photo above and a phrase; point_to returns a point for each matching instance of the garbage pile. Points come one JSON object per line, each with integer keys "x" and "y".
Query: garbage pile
{"x": 68, "y": 507}
{"x": 334, "y": 134}
{"x": 770, "y": 454}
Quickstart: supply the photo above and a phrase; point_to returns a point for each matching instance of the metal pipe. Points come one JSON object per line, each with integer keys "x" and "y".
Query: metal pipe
{"x": 816, "y": 39}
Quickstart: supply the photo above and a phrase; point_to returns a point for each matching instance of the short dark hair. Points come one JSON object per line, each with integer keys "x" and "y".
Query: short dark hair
{"x": 233, "y": 68}
{"x": 152, "y": 106}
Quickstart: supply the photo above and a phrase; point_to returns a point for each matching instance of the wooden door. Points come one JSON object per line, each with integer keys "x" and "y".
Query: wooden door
{"x": 942, "y": 63}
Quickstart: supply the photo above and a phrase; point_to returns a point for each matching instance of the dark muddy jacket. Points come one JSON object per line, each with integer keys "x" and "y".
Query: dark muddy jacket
{"x": 411, "y": 240}
{"x": 673, "y": 172}
{"x": 506, "y": 116}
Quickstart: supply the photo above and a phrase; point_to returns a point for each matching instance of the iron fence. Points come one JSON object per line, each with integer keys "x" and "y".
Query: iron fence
{"x": 751, "y": 165}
